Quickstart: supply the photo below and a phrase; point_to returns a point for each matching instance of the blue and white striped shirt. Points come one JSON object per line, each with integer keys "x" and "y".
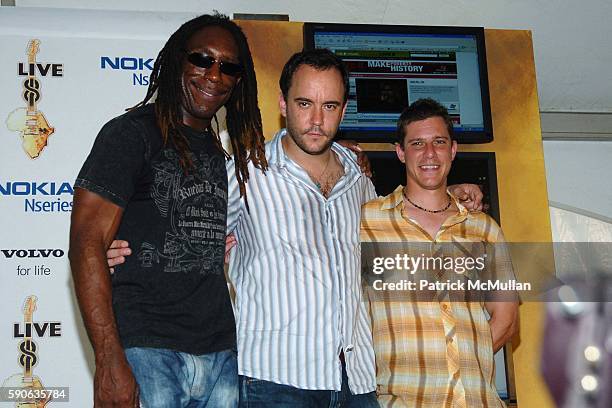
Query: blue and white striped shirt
{"x": 297, "y": 275}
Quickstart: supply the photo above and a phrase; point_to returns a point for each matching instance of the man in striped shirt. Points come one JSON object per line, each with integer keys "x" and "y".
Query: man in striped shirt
{"x": 302, "y": 326}
{"x": 433, "y": 348}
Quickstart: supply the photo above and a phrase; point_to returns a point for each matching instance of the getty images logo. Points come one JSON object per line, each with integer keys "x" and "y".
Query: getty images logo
{"x": 40, "y": 196}
{"x": 135, "y": 65}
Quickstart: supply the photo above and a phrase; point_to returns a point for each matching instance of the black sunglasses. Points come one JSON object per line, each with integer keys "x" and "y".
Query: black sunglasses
{"x": 206, "y": 61}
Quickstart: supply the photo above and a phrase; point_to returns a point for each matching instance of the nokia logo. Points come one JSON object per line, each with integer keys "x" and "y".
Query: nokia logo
{"x": 27, "y": 188}
{"x": 132, "y": 64}
{"x": 126, "y": 63}
{"x": 40, "y": 197}
{"x": 32, "y": 253}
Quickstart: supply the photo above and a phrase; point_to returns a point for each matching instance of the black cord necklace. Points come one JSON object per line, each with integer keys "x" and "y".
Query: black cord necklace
{"x": 425, "y": 209}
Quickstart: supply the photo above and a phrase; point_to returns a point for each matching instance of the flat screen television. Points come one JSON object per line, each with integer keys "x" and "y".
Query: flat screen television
{"x": 391, "y": 66}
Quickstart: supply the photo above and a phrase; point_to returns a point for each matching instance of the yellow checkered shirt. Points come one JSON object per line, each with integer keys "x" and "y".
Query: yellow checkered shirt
{"x": 432, "y": 353}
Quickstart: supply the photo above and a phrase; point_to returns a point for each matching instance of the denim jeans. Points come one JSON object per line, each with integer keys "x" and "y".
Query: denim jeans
{"x": 168, "y": 378}
{"x": 262, "y": 394}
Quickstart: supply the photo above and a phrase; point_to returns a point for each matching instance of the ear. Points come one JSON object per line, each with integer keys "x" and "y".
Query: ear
{"x": 453, "y": 150}
{"x": 400, "y": 152}
{"x": 282, "y": 104}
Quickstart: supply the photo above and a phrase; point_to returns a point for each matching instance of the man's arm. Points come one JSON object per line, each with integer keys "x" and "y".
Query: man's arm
{"x": 502, "y": 306}
{"x": 119, "y": 249}
{"x": 94, "y": 223}
{"x": 503, "y": 322}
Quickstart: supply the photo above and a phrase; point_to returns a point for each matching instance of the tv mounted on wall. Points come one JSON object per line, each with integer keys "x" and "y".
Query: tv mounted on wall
{"x": 391, "y": 66}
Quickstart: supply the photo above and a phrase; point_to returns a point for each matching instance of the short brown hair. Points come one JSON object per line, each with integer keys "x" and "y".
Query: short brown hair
{"x": 320, "y": 59}
{"x": 422, "y": 109}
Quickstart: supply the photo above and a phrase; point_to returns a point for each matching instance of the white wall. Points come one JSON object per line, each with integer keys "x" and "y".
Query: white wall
{"x": 567, "y": 226}
{"x": 571, "y": 38}
{"x": 579, "y": 174}
{"x": 75, "y": 104}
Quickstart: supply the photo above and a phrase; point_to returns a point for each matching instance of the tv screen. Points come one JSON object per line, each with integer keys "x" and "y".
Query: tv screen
{"x": 392, "y": 66}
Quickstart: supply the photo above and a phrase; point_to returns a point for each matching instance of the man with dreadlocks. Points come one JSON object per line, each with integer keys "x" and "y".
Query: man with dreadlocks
{"x": 163, "y": 329}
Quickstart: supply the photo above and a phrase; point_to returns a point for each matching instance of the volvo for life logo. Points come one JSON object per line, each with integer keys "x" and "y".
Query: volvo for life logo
{"x": 26, "y": 388}
{"x": 29, "y": 121}
{"x": 32, "y": 253}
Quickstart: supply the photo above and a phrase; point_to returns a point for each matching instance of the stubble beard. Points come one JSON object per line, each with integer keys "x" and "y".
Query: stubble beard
{"x": 298, "y": 137}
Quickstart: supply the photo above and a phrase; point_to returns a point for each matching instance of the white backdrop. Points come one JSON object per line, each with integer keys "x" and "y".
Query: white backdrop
{"x": 76, "y": 104}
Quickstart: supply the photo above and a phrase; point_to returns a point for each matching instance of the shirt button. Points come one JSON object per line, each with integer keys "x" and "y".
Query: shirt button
{"x": 445, "y": 307}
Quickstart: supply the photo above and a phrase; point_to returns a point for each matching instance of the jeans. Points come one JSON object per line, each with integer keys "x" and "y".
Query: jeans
{"x": 168, "y": 378}
{"x": 262, "y": 394}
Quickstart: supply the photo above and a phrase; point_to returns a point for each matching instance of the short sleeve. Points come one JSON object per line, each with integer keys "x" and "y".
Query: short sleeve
{"x": 370, "y": 190}
{"x": 115, "y": 162}
{"x": 502, "y": 260}
{"x": 501, "y": 268}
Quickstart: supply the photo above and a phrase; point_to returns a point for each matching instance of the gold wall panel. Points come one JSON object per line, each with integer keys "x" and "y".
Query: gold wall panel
{"x": 521, "y": 178}
{"x": 271, "y": 43}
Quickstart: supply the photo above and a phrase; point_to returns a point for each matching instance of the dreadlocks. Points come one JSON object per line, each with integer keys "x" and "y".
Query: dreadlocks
{"x": 243, "y": 117}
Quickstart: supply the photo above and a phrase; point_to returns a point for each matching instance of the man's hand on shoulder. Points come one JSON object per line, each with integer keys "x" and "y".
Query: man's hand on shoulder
{"x": 469, "y": 195}
{"x": 362, "y": 158}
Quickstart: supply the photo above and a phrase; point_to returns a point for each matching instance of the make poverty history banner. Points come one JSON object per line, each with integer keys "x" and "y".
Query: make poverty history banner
{"x": 63, "y": 75}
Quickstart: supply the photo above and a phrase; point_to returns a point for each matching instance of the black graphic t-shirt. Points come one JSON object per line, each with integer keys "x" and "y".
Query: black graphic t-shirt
{"x": 171, "y": 292}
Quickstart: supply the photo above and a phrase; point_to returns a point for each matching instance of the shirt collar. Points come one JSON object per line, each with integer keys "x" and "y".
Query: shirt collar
{"x": 394, "y": 199}
{"x": 279, "y": 158}
{"x": 277, "y": 153}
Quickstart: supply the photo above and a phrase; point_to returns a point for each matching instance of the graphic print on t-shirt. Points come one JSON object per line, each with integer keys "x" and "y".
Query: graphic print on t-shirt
{"x": 192, "y": 203}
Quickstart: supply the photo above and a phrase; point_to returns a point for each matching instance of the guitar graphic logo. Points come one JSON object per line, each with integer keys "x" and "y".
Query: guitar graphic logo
{"x": 29, "y": 121}
{"x": 28, "y": 359}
